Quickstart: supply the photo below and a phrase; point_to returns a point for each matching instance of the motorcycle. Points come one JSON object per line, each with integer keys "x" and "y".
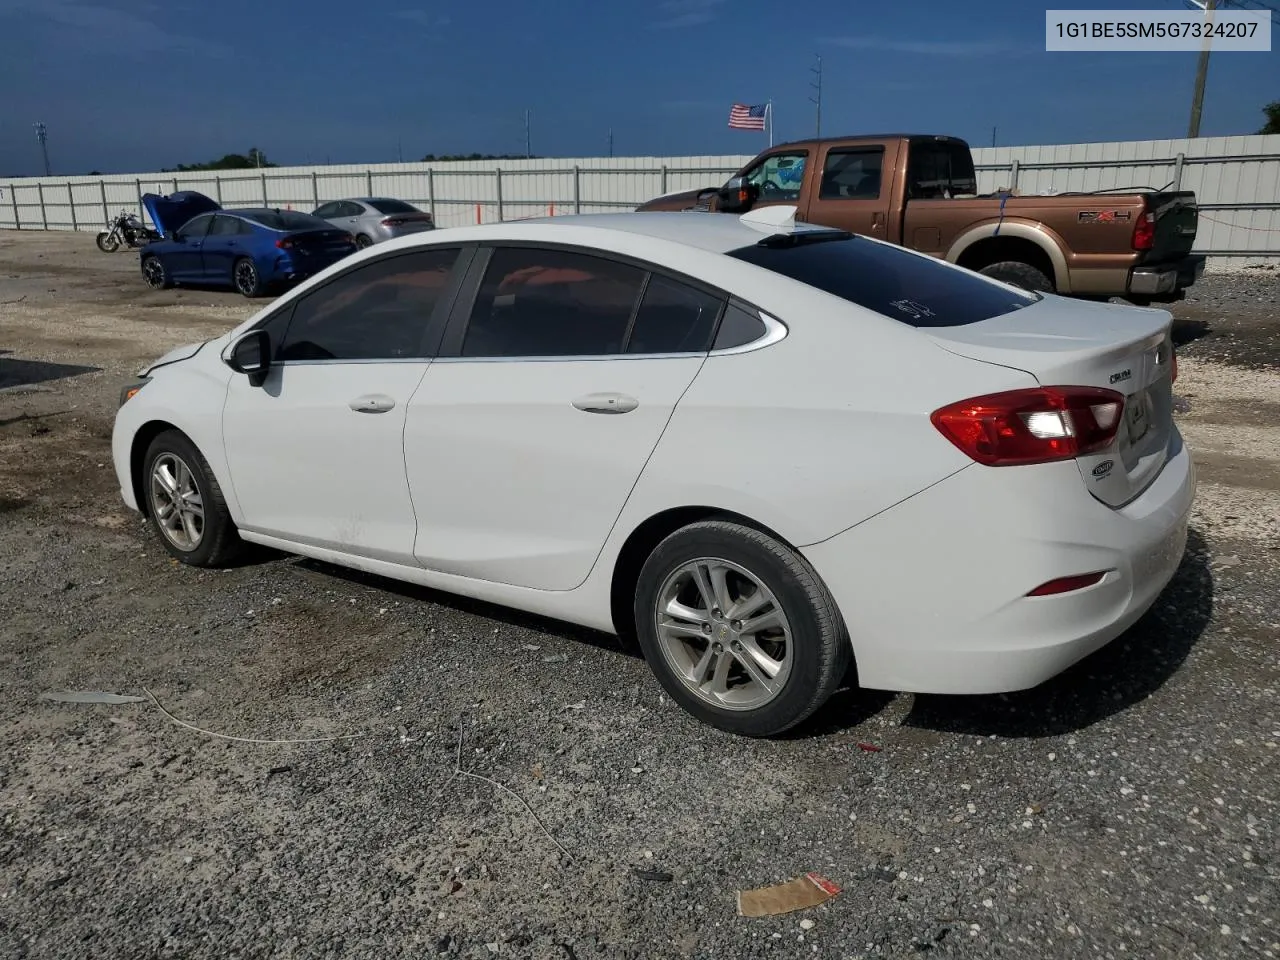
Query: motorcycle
{"x": 125, "y": 228}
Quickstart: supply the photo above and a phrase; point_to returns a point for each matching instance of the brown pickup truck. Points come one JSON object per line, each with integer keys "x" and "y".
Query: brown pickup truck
{"x": 921, "y": 192}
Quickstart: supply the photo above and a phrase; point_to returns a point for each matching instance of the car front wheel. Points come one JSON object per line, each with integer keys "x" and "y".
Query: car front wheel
{"x": 739, "y": 629}
{"x": 185, "y": 505}
{"x": 154, "y": 273}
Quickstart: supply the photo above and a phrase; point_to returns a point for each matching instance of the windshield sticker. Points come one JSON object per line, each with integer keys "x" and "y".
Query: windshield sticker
{"x": 916, "y": 310}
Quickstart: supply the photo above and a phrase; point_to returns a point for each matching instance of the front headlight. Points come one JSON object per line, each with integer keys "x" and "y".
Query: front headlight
{"x": 128, "y": 391}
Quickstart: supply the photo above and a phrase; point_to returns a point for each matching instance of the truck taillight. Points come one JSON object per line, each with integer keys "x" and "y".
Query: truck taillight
{"x": 1037, "y": 425}
{"x": 1144, "y": 232}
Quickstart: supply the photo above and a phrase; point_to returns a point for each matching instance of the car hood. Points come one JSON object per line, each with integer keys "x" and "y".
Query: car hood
{"x": 683, "y": 200}
{"x": 171, "y": 212}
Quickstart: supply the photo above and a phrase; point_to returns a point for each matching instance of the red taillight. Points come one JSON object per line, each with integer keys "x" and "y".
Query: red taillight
{"x": 1038, "y": 425}
{"x": 1066, "y": 584}
{"x": 1144, "y": 232}
{"x": 392, "y": 222}
{"x": 285, "y": 243}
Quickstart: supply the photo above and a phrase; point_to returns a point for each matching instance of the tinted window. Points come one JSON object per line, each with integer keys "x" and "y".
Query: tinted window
{"x": 940, "y": 170}
{"x": 673, "y": 318}
{"x": 224, "y": 227}
{"x": 549, "y": 303}
{"x": 195, "y": 229}
{"x": 738, "y": 328}
{"x": 392, "y": 206}
{"x": 327, "y": 210}
{"x": 779, "y": 176}
{"x": 904, "y": 286}
{"x": 375, "y": 312}
{"x": 852, "y": 174}
{"x": 286, "y": 220}
{"x": 350, "y": 209}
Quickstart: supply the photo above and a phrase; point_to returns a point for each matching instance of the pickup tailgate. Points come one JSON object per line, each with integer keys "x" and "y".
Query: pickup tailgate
{"x": 1117, "y": 347}
{"x": 1176, "y": 221}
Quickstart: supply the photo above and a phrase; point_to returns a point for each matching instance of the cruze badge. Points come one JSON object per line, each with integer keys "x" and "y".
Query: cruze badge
{"x": 1122, "y": 375}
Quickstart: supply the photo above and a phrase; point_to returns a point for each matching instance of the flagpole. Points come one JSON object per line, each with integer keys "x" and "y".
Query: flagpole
{"x": 768, "y": 110}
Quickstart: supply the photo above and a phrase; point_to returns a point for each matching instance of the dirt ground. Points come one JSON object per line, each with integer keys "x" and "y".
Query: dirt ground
{"x": 1126, "y": 808}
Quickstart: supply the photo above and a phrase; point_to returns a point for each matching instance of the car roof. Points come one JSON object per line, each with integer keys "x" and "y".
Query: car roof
{"x": 713, "y": 232}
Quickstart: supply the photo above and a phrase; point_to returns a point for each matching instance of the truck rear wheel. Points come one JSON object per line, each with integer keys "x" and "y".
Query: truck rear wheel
{"x": 1019, "y": 274}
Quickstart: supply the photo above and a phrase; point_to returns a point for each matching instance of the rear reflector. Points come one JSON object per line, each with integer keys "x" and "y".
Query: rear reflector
{"x": 1066, "y": 584}
{"x": 1038, "y": 425}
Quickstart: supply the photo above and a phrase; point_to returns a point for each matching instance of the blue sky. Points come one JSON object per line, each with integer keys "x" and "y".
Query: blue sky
{"x": 140, "y": 84}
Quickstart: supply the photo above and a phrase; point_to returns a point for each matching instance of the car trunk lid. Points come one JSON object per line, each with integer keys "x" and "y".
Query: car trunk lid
{"x": 320, "y": 243}
{"x": 1116, "y": 347}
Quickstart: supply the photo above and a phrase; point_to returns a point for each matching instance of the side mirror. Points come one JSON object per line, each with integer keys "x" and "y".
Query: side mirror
{"x": 250, "y": 354}
{"x": 737, "y": 196}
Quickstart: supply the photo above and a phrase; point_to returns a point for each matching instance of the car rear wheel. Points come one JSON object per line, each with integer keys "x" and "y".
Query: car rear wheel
{"x": 1019, "y": 275}
{"x": 363, "y": 240}
{"x": 154, "y": 273}
{"x": 185, "y": 505}
{"x": 739, "y": 629}
{"x": 244, "y": 274}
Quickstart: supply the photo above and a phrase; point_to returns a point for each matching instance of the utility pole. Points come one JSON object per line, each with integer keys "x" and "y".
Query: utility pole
{"x": 528, "y": 141}
{"x": 993, "y": 136}
{"x": 399, "y": 150}
{"x": 42, "y": 134}
{"x": 611, "y": 141}
{"x": 817, "y": 101}
{"x": 1202, "y": 70}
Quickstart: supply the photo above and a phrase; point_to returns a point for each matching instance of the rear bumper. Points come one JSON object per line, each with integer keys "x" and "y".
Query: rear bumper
{"x": 953, "y": 616}
{"x": 1166, "y": 279}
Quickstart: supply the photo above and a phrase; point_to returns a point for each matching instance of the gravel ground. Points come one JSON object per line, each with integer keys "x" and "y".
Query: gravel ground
{"x": 1126, "y": 808}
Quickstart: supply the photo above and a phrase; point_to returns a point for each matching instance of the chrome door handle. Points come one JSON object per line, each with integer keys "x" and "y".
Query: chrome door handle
{"x": 606, "y": 403}
{"x": 372, "y": 403}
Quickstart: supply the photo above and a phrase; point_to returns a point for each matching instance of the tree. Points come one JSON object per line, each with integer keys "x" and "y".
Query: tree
{"x": 232, "y": 161}
{"x": 445, "y": 158}
{"x": 1272, "y": 112}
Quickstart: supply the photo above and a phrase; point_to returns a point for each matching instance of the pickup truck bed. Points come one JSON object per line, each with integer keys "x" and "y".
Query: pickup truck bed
{"x": 919, "y": 191}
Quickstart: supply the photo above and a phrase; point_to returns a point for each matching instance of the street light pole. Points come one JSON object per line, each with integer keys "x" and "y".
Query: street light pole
{"x": 42, "y": 134}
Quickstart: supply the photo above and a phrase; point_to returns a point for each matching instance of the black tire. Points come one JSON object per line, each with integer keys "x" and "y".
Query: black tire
{"x": 219, "y": 543}
{"x": 154, "y": 273}
{"x": 106, "y": 242}
{"x": 246, "y": 279}
{"x": 1020, "y": 275}
{"x": 820, "y": 649}
{"x": 363, "y": 241}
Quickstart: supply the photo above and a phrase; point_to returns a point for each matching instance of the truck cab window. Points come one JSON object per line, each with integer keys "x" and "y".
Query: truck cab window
{"x": 940, "y": 171}
{"x": 852, "y": 174}
{"x": 778, "y": 176}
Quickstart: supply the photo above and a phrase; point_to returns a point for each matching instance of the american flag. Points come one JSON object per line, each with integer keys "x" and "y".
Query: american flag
{"x": 744, "y": 117}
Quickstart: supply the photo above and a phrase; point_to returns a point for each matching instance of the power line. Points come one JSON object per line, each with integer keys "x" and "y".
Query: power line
{"x": 817, "y": 101}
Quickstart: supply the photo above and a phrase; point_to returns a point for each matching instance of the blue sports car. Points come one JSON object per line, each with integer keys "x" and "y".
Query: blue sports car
{"x": 251, "y": 250}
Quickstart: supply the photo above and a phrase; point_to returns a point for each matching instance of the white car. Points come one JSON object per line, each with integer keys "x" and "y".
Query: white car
{"x": 768, "y": 451}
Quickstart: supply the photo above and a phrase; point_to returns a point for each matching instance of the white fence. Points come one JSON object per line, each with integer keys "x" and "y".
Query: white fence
{"x": 1236, "y": 179}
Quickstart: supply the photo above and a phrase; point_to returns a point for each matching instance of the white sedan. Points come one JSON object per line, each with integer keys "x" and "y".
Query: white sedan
{"x": 770, "y": 452}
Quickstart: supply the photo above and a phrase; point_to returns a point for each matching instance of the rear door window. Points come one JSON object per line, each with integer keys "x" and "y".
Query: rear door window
{"x": 940, "y": 170}
{"x": 911, "y": 288}
{"x": 673, "y": 318}
{"x": 852, "y": 174}
{"x": 552, "y": 303}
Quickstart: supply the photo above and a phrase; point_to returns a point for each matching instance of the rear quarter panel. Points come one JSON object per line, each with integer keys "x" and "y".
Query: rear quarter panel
{"x": 818, "y": 432}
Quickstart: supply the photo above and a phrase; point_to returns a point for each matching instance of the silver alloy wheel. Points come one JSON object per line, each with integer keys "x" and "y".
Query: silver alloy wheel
{"x": 153, "y": 272}
{"x": 246, "y": 277}
{"x": 724, "y": 634}
{"x": 176, "y": 502}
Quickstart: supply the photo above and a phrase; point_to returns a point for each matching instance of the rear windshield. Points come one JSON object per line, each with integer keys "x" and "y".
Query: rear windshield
{"x": 392, "y": 206}
{"x": 286, "y": 220}
{"x": 918, "y": 291}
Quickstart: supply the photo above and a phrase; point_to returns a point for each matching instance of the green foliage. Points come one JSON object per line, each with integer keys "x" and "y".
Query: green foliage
{"x": 1272, "y": 112}
{"x": 444, "y": 158}
{"x": 251, "y": 160}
